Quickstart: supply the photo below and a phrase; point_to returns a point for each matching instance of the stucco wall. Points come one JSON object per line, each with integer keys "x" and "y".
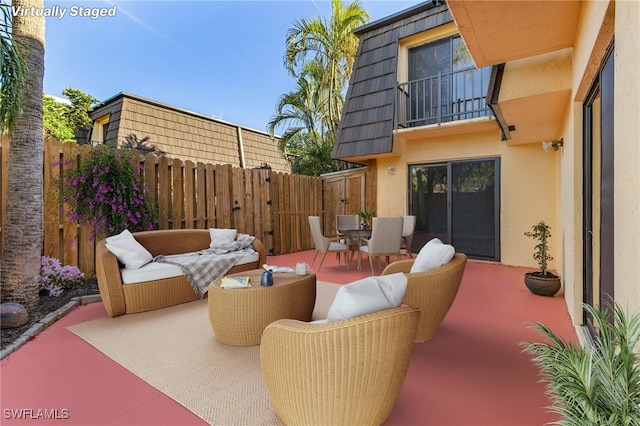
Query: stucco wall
{"x": 599, "y": 22}
{"x": 527, "y": 191}
{"x": 627, "y": 154}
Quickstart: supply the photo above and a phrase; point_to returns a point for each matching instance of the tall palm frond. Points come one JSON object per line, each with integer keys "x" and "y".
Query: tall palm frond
{"x": 331, "y": 43}
{"x": 297, "y": 111}
{"x": 12, "y": 78}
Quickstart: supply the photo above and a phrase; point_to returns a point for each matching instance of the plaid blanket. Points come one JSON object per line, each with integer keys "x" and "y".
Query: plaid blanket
{"x": 203, "y": 267}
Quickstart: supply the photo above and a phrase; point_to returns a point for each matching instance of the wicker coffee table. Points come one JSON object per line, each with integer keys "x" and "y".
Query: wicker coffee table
{"x": 239, "y": 316}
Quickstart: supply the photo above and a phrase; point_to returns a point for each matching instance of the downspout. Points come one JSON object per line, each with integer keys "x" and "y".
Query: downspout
{"x": 241, "y": 148}
{"x": 493, "y": 93}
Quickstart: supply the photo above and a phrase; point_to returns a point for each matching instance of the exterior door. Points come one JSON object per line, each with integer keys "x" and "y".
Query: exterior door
{"x": 598, "y": 254}
{"x": 344, "y": 194}
{"x": 457, "y": 202}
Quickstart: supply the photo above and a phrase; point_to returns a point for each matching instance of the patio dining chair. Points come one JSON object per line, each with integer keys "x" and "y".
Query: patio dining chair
{"x": 324, "y": 244}
{"x": 386, "y": 237}
{"x": 347, "y": 222}
{"x": 408, "y": 227}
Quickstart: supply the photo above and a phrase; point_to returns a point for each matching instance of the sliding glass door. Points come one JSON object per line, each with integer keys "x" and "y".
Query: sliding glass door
{"x": 598, "y": 208}
{"x": 458, "y": 202}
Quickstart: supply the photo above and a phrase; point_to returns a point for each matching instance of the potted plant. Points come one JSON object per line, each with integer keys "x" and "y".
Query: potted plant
{"x": 365, "y": 218}
{"x": 541, "y": 282}
{"x": 598, "y": 383}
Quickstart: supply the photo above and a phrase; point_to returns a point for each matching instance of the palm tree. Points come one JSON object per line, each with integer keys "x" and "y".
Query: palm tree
{"x": 23, "y": 229}
{"x": 299, "y": 111}
{"x": 319, "y": 53}
{"x": 12, "y": 73}
{"x": 333, "y": 45}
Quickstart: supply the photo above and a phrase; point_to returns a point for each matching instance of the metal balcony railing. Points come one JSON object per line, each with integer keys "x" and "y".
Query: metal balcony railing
{"x": 451, "y": 96}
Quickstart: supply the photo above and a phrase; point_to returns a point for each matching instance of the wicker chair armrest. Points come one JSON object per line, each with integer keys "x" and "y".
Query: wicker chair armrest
{"x": 398, "y": 266}
{"x": 432, "y": 291}
{"x": 262, "y": 252}
{"x": 109, "y": 280}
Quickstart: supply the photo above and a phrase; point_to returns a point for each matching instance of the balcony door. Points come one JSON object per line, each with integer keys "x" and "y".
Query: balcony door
{"x": 444, "y": 84}
{"x": 458, "y": 202}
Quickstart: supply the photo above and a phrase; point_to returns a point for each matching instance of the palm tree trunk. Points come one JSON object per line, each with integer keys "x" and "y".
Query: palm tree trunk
{"x": 23, "y": 230}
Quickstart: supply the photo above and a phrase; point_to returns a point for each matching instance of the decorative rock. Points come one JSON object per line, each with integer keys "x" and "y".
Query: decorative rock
{"x": 13, "y": 315}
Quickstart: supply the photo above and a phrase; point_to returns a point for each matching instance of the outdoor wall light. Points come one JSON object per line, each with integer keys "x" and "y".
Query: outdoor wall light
{"x": 391, "y": 169}
{"x": 555, "y": 144}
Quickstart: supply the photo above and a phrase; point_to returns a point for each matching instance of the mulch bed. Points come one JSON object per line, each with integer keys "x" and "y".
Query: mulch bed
{"x": 47, "y": 305}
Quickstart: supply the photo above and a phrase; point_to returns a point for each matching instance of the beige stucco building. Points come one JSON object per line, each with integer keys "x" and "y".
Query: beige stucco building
{"x": 452, "y": 103}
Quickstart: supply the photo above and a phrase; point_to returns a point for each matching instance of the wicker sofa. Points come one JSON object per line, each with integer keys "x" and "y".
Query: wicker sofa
{"x": 122, "y": 299}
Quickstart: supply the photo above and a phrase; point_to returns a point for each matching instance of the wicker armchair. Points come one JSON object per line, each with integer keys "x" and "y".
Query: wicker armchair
{"x": 342, "y": 373}
{"x": 432, "y": 291}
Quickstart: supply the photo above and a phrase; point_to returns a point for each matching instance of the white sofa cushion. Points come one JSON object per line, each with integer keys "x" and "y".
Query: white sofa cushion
{"x": 150, "y": 272}
{"x": 128, "y": 251}
{"x": 221, "y": 235}
{"x": 157, "y": 270}
{"x": 433, "y": 255}
{"x": 368, "y": 295}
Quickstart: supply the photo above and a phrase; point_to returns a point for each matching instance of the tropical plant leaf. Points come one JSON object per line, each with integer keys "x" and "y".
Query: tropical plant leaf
{"x": 593, "y": 385}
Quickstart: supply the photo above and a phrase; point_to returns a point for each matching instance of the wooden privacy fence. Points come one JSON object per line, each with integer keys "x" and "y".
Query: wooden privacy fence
{"x": 273, "y": 206}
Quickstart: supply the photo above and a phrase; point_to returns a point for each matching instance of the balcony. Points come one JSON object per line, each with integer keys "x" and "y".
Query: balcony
{"x": 443, "y": 98}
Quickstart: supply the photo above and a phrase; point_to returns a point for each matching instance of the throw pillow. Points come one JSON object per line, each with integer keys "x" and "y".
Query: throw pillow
{"x": 368, "y": 295}
{"x": 221, "y": 235}
{"x": 128, "y": 251}
{"x": 433, "y": 255}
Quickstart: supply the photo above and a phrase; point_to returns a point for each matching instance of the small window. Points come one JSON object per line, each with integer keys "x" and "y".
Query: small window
{"x": 99, "y": 131}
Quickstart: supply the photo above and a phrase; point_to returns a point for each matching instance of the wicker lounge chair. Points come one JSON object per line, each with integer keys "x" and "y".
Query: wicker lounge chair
{"x": 432, "y": 291}
{"x": 342, "y": 373}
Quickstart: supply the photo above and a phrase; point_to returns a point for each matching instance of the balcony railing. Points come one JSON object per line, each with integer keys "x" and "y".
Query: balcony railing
{"x": 451, "y": 96}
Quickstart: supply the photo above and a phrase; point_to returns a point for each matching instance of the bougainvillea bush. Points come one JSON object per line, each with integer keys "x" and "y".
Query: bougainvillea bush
{"x": 55, "y": 278}
{"x": 107, "y": 191}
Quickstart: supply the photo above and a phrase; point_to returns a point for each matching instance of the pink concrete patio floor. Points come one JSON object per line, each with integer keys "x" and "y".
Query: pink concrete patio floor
{"x": 473, "y": 372}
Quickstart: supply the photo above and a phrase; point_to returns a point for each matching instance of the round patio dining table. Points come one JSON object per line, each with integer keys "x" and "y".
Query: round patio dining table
{"x": 355, "y": 236}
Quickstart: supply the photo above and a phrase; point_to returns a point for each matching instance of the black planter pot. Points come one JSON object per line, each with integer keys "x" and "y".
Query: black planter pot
{"x": 542, "y": 285}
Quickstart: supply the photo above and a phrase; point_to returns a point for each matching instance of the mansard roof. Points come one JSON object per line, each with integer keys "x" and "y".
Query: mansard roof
{"x": 366, "y": 125}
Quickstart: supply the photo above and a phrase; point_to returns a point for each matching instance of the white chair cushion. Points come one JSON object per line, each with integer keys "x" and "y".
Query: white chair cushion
{"x": 221, "y": 235}
{"x": 334, "y": 245}
{"x": 433, "y": 255}
{"x": 128, "y": 251}
{"x": 368, "y": 295}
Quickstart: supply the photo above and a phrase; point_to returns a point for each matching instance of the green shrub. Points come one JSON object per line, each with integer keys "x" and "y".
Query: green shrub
{"x": 598, "y": 384}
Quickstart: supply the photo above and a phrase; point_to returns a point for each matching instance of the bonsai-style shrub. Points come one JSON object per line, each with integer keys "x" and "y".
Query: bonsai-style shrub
{"x": 541, "y": 233}
{"x": 597, "y": 384}
{"x": 107, "y": 191}
{"x": 365, "y": 217}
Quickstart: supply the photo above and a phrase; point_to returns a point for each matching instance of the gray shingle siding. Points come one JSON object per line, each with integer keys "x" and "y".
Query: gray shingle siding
{"x": 366, "y": 125}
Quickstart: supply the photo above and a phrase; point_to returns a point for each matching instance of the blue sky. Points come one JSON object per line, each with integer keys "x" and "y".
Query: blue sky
{"x": 217, "y": 58}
